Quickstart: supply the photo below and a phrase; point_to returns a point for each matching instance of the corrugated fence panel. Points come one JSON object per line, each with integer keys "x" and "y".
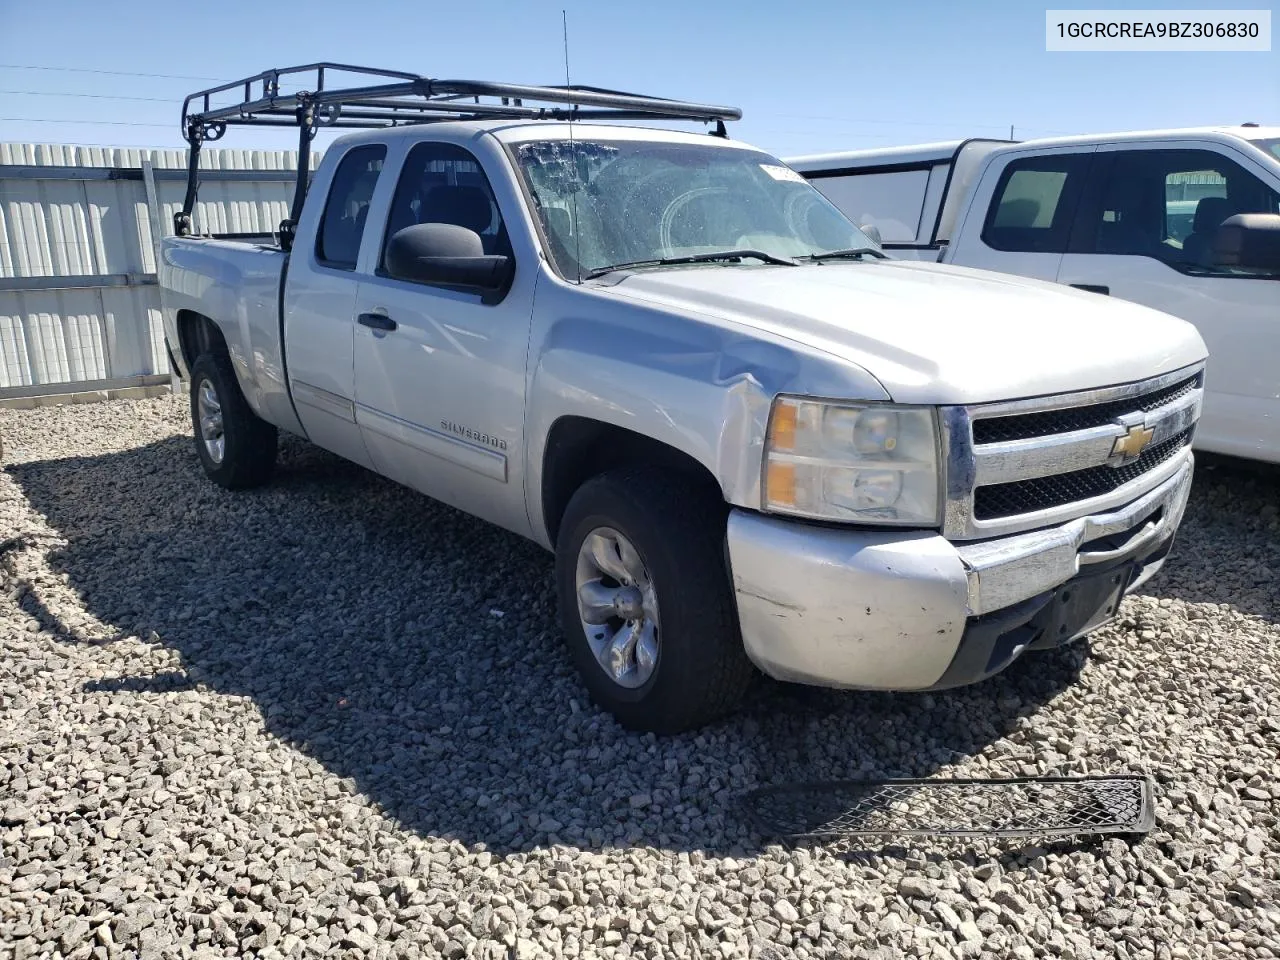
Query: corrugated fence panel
{"x": 59, "y": 228}
{"x": 63, "y": 334}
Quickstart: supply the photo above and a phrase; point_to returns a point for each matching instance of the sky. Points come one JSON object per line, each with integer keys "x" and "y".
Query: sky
{"x": 809, "y": 76}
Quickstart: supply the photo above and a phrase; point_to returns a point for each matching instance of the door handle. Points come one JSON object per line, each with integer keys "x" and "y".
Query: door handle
{"x": 1092, "y": 288}
{"x": 376, "y": 321}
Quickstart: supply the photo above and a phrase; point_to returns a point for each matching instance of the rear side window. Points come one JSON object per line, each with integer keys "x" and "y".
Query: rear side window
{"x": 345, "y": 210}
{"x": 891, "y": 202}
{"x": 1034, "y": 203}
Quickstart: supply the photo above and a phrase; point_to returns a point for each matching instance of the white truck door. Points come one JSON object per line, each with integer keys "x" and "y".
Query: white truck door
{"x": 440, "y": 373}
{"x": 1021, "y": 212}
{"x": 1145, "y": 233}
{"x": 319, "y": 305}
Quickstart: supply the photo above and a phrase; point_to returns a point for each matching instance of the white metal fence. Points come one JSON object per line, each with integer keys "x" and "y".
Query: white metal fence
{"x": 79, "y": 305}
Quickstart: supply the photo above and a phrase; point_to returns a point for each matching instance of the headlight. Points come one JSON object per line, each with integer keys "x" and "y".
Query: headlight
{"x": 861, "y": 463}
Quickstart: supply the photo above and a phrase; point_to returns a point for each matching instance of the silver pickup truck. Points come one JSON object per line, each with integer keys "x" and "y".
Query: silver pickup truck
{"x": 748, "y": 436}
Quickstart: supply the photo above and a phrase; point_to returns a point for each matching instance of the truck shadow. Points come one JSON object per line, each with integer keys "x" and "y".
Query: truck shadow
{"x": 415, "y": 650}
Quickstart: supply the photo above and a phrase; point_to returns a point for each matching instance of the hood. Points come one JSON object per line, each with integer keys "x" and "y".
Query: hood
{"x": 932, "y": 333}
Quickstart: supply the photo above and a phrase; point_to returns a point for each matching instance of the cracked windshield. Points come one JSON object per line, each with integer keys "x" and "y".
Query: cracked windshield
{"x": 604, "y": 204}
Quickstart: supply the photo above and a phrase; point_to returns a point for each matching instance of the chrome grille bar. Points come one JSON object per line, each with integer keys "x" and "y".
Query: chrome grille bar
{"x": 1154, "y": 413}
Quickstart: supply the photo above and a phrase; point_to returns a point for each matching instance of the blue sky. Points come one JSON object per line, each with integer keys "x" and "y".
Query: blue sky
{"x": 810, "y": 76}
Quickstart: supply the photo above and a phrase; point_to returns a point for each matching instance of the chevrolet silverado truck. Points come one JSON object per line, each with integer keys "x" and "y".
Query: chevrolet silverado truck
{"x": 749, "y": 437}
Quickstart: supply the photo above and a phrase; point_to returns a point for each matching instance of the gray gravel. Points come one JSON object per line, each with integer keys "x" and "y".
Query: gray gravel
{"x": 333, "y": 718}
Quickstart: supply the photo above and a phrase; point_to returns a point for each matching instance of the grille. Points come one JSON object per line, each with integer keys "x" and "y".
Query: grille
{"x": 1044, "y": 423}
{"x": 1046, "y": 806}
{"x": 1043, "y": 493}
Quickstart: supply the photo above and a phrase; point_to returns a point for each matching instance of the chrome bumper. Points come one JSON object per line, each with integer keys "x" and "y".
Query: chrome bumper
{"x": 888, "y": 610}
{"x": 1002, "y": 572}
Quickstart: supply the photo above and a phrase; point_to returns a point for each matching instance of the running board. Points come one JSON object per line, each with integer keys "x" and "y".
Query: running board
{"x": 1024, "y": 807}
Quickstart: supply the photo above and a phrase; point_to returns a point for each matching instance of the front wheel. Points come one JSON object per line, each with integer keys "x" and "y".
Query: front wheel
{"x": 237, "y": 448}
{"x": 646, "y": 603}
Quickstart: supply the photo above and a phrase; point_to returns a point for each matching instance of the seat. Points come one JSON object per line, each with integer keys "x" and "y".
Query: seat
{"x": 1197, "y": 248}
{"x": 463, "y": 206}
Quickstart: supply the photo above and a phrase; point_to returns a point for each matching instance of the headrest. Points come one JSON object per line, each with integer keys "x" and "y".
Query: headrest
{"x": 1210, "y": 212}
{"x": 465, "y": 206}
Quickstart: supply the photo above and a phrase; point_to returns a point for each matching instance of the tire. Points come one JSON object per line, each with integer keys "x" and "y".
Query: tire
{"x": 701, "y": 671}
{"x": 247, "y": 455}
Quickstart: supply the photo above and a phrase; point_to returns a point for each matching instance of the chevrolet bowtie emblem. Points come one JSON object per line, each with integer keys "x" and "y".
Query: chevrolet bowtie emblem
{"x": 1132, "y": 443}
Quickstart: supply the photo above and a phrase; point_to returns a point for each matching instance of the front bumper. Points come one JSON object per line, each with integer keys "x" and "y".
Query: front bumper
{"x": 910, "y": 610}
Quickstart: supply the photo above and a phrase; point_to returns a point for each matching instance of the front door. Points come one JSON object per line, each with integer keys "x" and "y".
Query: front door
{"x": 1145, "y": 233}
{"x": 440, "y": 373}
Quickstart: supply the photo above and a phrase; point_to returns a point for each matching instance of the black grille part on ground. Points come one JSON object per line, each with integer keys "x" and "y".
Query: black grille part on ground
{"x": 1043, "y": 493}
{"x": 1023, "y": 807}
{"x": 1047, "y": 423}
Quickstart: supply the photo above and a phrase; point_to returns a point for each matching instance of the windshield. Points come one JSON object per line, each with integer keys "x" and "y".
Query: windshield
{"x": 1271, "y": 146}
{"x": 604, "y": 203}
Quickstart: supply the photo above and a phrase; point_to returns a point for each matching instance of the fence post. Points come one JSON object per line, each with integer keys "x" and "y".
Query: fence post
{"x": 157, "y": 228}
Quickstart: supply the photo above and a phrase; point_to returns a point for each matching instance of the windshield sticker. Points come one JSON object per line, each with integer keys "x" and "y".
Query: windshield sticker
{"x": 781, "y": 173}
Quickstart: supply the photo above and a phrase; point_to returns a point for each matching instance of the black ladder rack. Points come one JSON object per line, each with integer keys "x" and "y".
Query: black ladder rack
{"x": 394, "y": 98}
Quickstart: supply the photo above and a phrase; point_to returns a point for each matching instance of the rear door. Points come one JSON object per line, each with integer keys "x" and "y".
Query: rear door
{"x": 1020, "y": 217}
{"x": 1145, "y": 233}
{"x": 319, "y": 305}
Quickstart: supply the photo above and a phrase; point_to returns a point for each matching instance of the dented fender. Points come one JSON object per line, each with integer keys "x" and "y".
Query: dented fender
{"x": 700, "y": 384}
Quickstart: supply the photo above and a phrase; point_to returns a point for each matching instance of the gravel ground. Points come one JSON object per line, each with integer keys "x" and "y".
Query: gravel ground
{"x": 333, "y": 718}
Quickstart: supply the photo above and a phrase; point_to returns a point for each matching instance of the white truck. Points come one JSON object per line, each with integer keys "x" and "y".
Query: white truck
{"x": 1185, "y": 221}
{"x": 747, "y": 435}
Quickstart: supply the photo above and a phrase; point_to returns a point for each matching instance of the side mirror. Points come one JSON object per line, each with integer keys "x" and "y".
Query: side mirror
{"x": 872, "y": 231}
{"x": 446, "y": 255}
{"x": 1248, "y": 241}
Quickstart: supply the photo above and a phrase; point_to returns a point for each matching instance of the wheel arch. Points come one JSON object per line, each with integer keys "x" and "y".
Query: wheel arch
{"x": 198, "y": 334}
{"x": 579, "y": 448}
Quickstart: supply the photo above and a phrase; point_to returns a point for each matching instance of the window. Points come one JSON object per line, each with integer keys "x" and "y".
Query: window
{"x": 602, "y": 203}
{"x": 444, "y": 183}
{"x": 892, "y": 202}
{"x": 1271, "y": 146}
{"x": 1167, "y": 205}
{"x": 1034, "y": 203}
{"x": 1183, "y": 192}
{"x": 342, "y": 226}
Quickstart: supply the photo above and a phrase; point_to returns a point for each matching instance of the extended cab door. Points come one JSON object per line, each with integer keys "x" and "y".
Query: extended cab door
{"x": 1021, "y": 213}
{"x": 440, "y": 372}
{"x": 319, "y": 304}
{"x": 1145, "y": 233}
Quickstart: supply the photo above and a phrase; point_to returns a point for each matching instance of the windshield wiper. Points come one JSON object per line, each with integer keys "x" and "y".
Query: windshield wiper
{"x": 853, "y": 253}
{"x": 694, "y": 258}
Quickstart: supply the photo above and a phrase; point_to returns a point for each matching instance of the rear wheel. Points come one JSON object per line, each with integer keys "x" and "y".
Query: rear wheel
{"x": 645, "y": 600}
{"x": 237, "y": 448}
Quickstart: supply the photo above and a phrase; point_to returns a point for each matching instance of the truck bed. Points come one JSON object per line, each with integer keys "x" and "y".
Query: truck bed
{"x": 237, "y": 282}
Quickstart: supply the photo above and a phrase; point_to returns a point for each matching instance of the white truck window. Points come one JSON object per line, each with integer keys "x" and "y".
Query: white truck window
{"x": 1034, "y": 203}
{"x": 1167, "y": 204}
{"x": 345, "y": 209}
{"x": 892, "y": 202}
